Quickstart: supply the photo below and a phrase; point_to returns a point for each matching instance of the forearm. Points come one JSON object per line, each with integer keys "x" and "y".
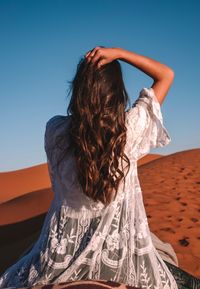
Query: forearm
{"x": 151, "y": 67}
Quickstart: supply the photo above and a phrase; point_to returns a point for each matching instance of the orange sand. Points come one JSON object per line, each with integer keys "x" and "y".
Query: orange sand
{"x": 17, "y": 183}
{"x": 171, "y": 193}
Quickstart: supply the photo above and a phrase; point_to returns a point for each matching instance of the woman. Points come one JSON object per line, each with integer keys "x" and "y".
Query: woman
{"x": 96, "y": 227}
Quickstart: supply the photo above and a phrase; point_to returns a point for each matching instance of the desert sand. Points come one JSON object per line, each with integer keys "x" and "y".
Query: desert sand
{"x": 171, "y": 192}
{"x": 21, "y": 182}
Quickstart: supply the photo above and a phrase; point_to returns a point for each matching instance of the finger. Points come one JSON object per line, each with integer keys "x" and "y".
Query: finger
{"x": 94, "y": 50}
{"x": 88, "y": 56}
{"x": 87, "y": 53}
{"x": 96, "y": 57}
{"x": 100, "y": 63}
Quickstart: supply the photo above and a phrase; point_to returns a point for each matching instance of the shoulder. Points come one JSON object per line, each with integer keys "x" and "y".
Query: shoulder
{"x": 138, "y": 116}
{"x": 142, "y": 104}
{"x": 55, "y": 122}
{"x": 54, "y": 127}
{"x": 55, "y": 119}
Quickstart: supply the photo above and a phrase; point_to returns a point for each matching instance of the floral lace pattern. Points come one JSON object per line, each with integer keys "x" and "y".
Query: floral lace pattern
{"x": 84, "y": 240}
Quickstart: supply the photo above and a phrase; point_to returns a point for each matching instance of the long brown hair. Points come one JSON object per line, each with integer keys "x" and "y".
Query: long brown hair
{"x": 97, "y": 130}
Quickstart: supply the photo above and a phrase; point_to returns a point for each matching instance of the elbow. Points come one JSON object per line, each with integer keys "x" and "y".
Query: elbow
{"x": 167, "y": 75}
{"x": 170, "y": 74}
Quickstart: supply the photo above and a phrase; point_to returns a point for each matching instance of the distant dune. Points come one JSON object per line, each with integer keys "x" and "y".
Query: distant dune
{"x": 171, "y": 191}
{"x": 26, "y": 206}
{"x": 21, "y": 182}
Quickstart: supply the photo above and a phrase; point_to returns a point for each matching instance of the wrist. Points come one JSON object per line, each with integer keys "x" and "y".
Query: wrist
{"x": 121, "y": 53}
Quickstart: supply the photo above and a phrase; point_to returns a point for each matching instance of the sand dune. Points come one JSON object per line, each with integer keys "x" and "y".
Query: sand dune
{"x": 26, "y": 206}
{"x": 171, "y": 190}
{"x": 171, "y": 193}
{"x": 20, "y": 182}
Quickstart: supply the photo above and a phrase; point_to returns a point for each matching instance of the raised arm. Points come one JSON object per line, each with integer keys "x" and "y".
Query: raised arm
{"x": 162, "y": 74}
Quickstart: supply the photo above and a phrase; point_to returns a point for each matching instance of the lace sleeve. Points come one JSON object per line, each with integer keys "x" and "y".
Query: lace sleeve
{"x": 145, "y": 118}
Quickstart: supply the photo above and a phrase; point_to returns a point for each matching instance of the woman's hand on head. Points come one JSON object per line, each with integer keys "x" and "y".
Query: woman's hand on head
{"x": 101, "y": 55}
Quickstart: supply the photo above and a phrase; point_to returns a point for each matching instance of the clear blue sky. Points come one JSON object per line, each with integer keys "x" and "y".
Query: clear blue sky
{"x": 42, "y": 42}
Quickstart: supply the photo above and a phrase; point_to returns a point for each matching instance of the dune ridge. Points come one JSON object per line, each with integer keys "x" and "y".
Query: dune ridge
{"x": 148, "y": 158}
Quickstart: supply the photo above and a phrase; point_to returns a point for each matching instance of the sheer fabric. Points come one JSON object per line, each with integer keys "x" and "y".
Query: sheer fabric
{"x": 81, "y": 239}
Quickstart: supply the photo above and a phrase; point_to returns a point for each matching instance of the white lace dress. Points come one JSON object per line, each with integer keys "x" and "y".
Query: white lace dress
{"x": 81, "y": 239}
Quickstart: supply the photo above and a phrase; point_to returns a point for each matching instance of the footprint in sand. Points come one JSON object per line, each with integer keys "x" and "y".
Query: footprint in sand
{"x": 184, "y": 242}
{"x": 168, "y": 229}
{"x": 194, "y": 220}
{"x": 183, "y": 203}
